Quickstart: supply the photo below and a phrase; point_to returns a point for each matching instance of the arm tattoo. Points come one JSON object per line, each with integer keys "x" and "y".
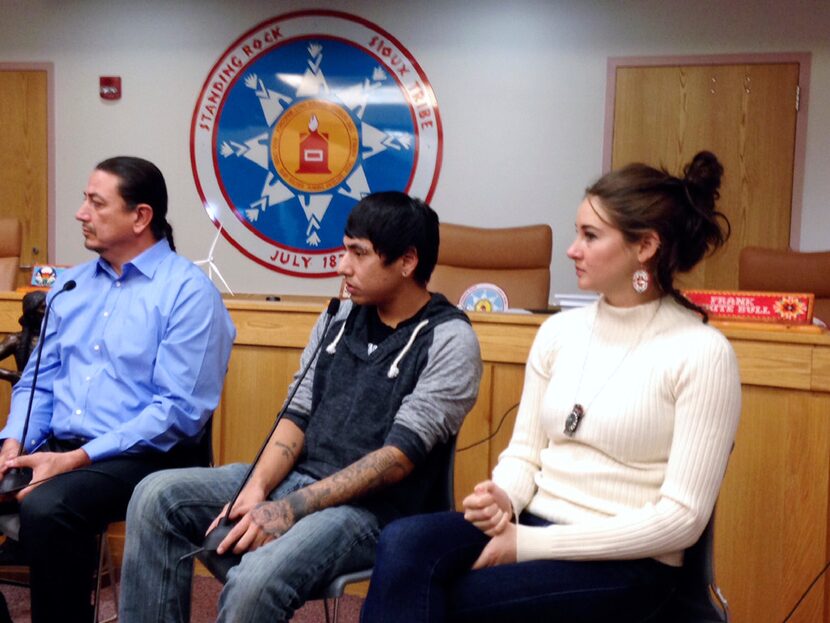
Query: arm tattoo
{"x": 275, "y": 518}
{"x": 373, "y": 472}
{"x": 287, "y": 451}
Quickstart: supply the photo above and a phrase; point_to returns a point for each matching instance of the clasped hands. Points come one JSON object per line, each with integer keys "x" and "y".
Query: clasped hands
{"x": 44, "y": 465}
{"x": 489, "y": 509}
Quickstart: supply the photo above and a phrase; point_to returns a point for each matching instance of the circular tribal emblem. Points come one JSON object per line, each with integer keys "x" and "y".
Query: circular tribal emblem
{"x": 300, "y": 118}
{"x": 485, "y": 297}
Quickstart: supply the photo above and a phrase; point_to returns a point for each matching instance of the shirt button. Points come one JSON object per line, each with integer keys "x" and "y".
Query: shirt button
{"x": 88, "y": 379}
{"x": 117, "y": 284}
{"x": 33, "y": 442}
{"x": 96, "y": 347}
{"x": 106, "y": 314}
{"x": 77, "y": 412}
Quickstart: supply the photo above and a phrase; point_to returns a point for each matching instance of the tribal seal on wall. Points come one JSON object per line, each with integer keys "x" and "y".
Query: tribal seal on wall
{"x": 301, "y": 117}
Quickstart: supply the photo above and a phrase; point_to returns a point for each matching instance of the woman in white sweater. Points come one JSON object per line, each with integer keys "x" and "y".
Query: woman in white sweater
{"x": 627, "y": 417}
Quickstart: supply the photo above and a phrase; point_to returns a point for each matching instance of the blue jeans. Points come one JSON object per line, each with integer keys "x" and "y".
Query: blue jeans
{"x": 167, "y": 518}
{"x": 422, "y": 573}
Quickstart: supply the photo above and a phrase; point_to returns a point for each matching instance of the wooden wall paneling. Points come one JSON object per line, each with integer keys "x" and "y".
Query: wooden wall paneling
{"x": 787, "y": 365}
{"x": 5, "y": 388}
{"x": 10, "y": 310}
{"x": 24, "y": 159}
{"x": 11, "y": 307}
{"x": 820, "y": 380}
{"x": 507, "y": 390}
{"x": 772, "y": 510}
{"x": 471, "y": 460}
{"x": 291, "y": 327}
{"x": 255, "y": 389}
{"x": 505, "y": 339}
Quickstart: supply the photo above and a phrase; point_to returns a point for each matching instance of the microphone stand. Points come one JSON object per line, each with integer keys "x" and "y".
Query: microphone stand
{"x": 17, "y": 478}
{"x": 220, "y": 564}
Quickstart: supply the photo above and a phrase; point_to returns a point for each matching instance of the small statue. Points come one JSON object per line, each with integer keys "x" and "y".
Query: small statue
{"x": 22, "y": 344}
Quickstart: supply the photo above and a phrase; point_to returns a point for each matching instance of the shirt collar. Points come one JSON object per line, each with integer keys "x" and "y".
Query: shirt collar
{"x": 146, "y": 262}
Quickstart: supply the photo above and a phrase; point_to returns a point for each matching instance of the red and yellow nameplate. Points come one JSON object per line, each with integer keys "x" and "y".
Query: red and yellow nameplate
{"x": 777, "y": 307}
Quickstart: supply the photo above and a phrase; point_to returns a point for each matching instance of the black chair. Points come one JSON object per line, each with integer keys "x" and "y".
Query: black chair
{"x": 698, "y": 598}
{"x": 440, "y": 497}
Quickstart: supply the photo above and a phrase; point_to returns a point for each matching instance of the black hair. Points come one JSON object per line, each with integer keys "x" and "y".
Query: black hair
{"x": 140, "y": 181}
{"x": 639, "y": 198}
{"x": 394, "y": 222}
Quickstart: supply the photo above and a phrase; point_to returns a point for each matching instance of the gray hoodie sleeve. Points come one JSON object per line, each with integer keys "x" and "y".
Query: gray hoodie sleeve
{"x": 446, "y": 390}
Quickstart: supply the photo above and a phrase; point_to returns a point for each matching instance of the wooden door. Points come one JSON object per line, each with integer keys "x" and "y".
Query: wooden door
{"x": 745, "y": 114}
{"x": 24, "y": 160}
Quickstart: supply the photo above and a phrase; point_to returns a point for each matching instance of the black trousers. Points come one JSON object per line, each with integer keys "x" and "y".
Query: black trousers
{"x": 61, "y": 518}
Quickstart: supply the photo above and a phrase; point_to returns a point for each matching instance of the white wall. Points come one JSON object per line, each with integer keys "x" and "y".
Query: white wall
{"x": 520, "y": 86}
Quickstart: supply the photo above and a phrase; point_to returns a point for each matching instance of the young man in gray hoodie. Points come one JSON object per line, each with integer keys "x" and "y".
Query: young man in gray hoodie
{"x": 398, "y": 371}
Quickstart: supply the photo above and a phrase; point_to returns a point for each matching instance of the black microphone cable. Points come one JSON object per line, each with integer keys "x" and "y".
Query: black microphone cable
{"x": 806, "y": 592}
{"x": 334, "y": 305}
{"x": 217, "y": 535}
{"x": 69, "y": 285}
{"x": 491, "y": 435}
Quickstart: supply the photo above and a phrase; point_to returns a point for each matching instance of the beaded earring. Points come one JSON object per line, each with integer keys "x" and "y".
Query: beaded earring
{"x": 639, "y": 280}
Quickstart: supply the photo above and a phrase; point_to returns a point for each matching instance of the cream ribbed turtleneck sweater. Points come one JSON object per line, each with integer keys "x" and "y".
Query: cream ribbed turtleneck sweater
{"x": 640, "y": 476}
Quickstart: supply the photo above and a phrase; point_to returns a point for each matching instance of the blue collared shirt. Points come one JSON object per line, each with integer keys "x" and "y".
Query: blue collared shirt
{"x": 130, "y": 362}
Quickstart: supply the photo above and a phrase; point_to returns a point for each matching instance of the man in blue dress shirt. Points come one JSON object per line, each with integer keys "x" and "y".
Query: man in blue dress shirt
{"x": 132, "y": 367}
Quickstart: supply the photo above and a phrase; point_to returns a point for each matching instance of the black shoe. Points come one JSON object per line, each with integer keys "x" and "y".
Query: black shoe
{"x": 11, "y": 554}
{"x": 5, "y": 617}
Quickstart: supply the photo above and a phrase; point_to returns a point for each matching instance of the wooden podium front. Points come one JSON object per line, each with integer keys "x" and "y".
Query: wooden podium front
{"x": 773, "y": 513}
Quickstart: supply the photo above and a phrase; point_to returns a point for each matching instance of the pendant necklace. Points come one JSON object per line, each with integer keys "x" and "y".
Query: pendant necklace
{"x": 578, "y": 411}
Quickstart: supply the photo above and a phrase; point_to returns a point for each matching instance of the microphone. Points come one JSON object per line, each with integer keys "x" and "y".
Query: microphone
{"x": 18, "y": 477}
{"x": 217, "y": 564}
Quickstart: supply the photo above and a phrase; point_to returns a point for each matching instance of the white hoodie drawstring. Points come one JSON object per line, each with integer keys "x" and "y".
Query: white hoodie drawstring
{"x": 333, "y": 346}
{"x": 393, "y": 369}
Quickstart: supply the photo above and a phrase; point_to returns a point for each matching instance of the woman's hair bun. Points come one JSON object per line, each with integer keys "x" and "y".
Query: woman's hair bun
{"x": 702, "y": 177}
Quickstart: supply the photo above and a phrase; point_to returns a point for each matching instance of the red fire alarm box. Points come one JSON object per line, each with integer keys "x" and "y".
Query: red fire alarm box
{"x": 110, "y": 87}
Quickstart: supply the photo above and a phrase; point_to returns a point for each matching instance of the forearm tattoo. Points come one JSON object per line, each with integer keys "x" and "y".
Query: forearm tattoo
{"x": 288, "y": 452}
{"x": 367, "y": 475}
